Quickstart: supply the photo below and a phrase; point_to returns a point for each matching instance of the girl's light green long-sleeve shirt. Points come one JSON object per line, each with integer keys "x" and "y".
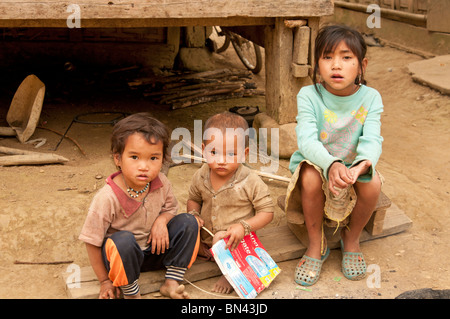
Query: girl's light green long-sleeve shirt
{"x": 338, "y": 128}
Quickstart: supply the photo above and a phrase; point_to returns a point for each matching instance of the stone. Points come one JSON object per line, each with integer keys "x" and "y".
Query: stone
{"x": 286, "y": 134}
{"x": 196, "y": 59}
{"x": 434, "y": 73}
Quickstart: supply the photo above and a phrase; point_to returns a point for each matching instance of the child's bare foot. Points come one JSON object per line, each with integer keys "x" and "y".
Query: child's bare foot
{"x": 222, "y": 286}
{"x": 136, "y": 296}
{"x": 173, "y": 290}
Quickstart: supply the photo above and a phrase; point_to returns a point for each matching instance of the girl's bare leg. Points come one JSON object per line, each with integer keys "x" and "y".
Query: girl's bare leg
{"x": 313, "y": 201}
{"x": 367, "y": 197}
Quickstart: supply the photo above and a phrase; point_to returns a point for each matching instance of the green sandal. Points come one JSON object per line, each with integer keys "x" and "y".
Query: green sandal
{"x": 353, "y": 264}
{"x": 308, "y": 269}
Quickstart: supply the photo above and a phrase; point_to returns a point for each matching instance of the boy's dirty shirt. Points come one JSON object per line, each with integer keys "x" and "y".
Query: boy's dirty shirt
{"x": 112, "y": 210}
{"x": 243, "y": 196}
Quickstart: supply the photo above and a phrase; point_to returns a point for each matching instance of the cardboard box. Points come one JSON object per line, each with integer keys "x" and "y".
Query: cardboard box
{"x": 249, "y": 268}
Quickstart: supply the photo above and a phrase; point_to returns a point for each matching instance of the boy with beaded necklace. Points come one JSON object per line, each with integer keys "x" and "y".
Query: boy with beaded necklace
{"x": 132, "y": 224}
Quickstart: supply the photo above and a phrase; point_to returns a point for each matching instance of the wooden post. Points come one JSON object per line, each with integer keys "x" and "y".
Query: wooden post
{"x": 282, "y": 85}
{"x": 301, "y": 45}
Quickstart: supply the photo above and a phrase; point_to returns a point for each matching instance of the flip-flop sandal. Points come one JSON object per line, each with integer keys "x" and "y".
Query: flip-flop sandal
{"x": 308, "y": 269}
{"x": 353, "y": 264}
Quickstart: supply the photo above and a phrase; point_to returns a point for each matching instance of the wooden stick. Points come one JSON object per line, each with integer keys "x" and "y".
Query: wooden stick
{"x": 294, "y": 23}
{"x": 182, "y": 103}
{"x": 217, "y": 89}
{"x": 24, "y": 157}
{"x": 260, "y": 173}
{"x": 195, "y": 158}
{"x": 15, "y": 151}
{"x": 208, "y": 231}
{"x": 17, "y": 262}
{"x": 200, "y": 77}
{"x": 273, "y": 176}
{"x": 253, "y": 92}
{"x": 186, "y": 87}
{"x": 193, "y": 146}
{"x": 31, "y": 159}
{"x": 7, "y": 131}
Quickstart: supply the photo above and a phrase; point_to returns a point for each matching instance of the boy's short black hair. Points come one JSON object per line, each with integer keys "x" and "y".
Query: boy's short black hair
{"x": 143, "y": 123}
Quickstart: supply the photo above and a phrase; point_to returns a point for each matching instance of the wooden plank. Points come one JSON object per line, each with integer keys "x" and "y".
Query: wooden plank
{"x": 301, "y": 45}
{"x": 376, "y": 222}
{"x": 279, "y": 242}
{"x": 437, "y": 16}
{"x": 395, "y": 222}
{"x": 145, "y": 9}
{"x": 103, "y": 12}
{"x": 138, "y": 23}
{"x": 300, "y": 71}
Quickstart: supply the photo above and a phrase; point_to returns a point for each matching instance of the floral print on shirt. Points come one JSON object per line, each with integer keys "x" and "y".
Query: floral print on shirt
{"x": 337, "y": 133}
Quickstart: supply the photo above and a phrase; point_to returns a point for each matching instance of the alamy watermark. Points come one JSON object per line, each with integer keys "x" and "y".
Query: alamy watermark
{"x": 374, "y": 278}
{"x": 74, "y": 19}
{"x": 73, "y": 280}
{"x": 257, "y": 143}
{"x": 373, "y": 20}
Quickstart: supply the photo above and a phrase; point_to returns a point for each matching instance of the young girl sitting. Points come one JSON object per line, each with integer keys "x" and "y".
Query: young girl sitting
{"x": 339, "y": 144}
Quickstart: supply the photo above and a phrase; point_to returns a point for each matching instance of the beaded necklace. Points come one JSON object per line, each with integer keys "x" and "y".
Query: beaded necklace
{"x": 136, "y": 193}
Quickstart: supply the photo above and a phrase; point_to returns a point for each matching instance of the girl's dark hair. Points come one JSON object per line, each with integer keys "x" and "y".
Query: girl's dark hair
{"x": 152, "y": 130}
{"x": 328, "y": 39}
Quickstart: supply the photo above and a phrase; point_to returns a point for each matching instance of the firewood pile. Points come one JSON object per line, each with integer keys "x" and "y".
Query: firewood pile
{"x": 188, "y": 89}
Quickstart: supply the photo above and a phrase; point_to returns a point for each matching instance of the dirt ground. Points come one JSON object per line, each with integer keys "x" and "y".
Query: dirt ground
{"x": 42, "y": 208}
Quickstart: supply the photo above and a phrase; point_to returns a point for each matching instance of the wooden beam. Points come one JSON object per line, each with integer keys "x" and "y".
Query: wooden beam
{"x": 137, "y": 23}
{"x": 281, "y": 102}
{"x": 300, "y": 70}
{"x": 140, "y": 13}
{"x": 32, "y": 159}
{"x": 86, "y": 286}
{"x": 301, "y": 45}
{"x": 295, "y": 23}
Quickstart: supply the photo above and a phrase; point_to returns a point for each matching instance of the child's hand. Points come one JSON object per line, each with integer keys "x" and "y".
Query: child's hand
{"x": 201, "y": 222}
{"x": 360, "y": 169}
{"x": 108, "y": 291}
{"x": 159, "y": 237}
{"x": 339, "y": 176}
{"x": 235, "y": 233}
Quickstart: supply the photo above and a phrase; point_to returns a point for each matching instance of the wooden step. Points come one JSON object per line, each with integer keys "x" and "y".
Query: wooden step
{"x": 280, "y": 242}
{"x": 375, "y": 224}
